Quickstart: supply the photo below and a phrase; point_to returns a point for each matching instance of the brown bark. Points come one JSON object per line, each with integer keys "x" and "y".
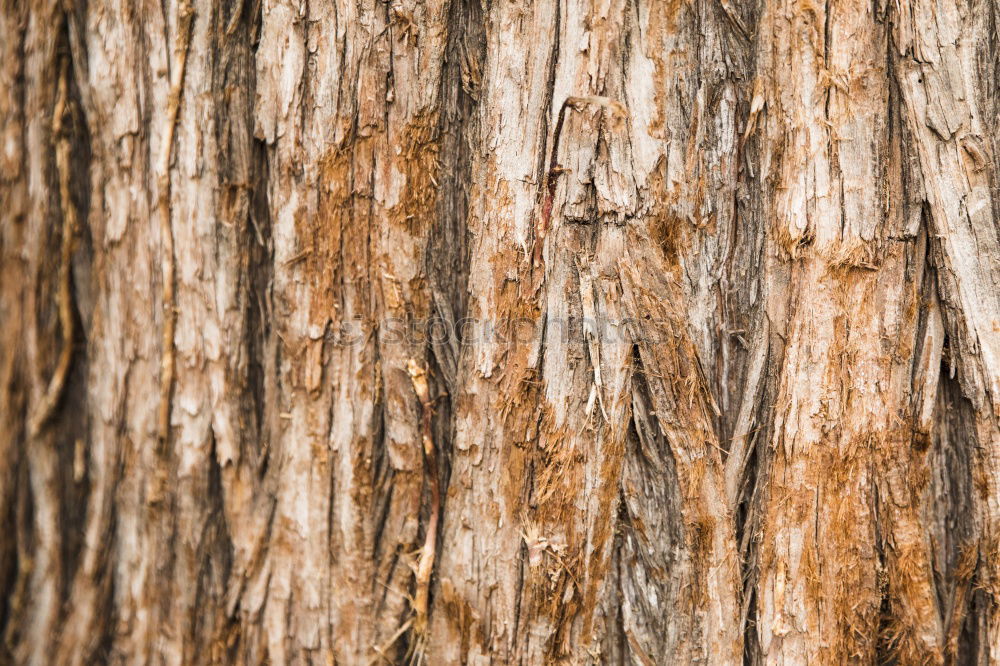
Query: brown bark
{"x": 523, "y": 332}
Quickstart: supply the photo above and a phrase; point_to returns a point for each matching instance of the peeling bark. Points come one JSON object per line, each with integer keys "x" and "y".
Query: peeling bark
{"x": 454, "y": 332}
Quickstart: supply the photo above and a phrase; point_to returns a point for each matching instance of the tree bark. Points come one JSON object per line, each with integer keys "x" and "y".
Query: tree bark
{"x": 444, "y": 331}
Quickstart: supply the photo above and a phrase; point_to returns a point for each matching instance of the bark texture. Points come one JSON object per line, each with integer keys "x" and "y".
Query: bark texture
{"x": 458, "y": 331}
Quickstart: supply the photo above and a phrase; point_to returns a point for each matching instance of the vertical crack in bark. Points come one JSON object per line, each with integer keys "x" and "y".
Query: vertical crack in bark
{"x": 952, "y": 510}
{"x": 651, "y": 542}
{"x": 64, "y": 295}
{"x": 184, "y": 21}
{"x": 425, "y": 562}
{"x": 545, "y": 177}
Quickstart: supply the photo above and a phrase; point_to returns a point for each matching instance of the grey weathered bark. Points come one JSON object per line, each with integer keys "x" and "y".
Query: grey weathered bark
{"x": 522, "y": 332}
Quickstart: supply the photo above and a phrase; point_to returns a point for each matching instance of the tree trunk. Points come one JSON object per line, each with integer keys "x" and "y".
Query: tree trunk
{"x": 439, "y": 331}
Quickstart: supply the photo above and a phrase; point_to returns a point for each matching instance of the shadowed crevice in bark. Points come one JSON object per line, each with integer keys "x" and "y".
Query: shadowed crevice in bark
{"x": 753, "y": 486}
{"x": 73, "y": 441}
{"x": 650, "y": 539}
{"x": 750, "y": 350}
{"x": 243, "y": 177}
{"x": 754, "y": 489}
{"x": 259, "y": 333}
{"x": 211, "y": 625}
{"x": 952, "y": 511}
